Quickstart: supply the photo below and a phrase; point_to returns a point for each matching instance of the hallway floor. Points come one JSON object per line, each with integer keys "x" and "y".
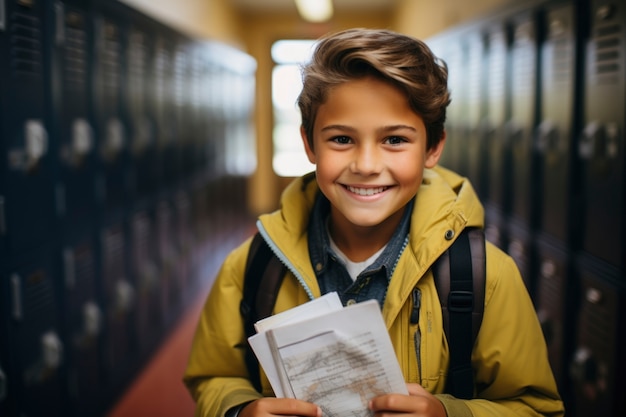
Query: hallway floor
{"x": 158, "y": 391}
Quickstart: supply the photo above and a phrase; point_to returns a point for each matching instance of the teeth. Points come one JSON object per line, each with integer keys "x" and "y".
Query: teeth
{"x": 366, "y": 191}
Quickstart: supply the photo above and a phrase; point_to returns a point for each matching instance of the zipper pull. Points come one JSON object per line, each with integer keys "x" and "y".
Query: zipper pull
{"x": 417, "y": 300}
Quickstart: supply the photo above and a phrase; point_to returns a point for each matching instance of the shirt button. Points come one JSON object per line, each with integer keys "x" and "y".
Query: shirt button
{"x": 318, "y": 267}
{"x": 449, "y": 234}
{"x": 351, "y": 302}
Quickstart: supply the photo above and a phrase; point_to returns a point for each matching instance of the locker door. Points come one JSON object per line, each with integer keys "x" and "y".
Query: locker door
{"x": 555, "y": 131}
{"x": 186, "y": 242}
{"x": 120, "y": 304}
{"x": 37, "y": 351}
{"x": 163, "y": 110}
{"x": 168, "y": 255}
{"x": 598, "y": 366}
{"x": 148, "y": 279}
{"x": 497, "y": 85}
{"x": 524, "y": 86}
{"x": 110, "y": 130}
{"x": 476, "y": 102}
{"x": 601, "y": 145}
{"x": 496, "y": 152}
{"x": 554, "y": 290}
{"x": 138, "y": 94}
{"x": 454, "y": 155}
{"x": 26, "y": 190}
{"x": 84, "y": 321}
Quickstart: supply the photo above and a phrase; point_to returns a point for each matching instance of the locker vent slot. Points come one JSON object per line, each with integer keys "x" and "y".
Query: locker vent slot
{"x": 137, "y": 56}
{"x": 26, "y": 48}
{"x": 111, "y": 62}
{"x": 113, "y": 260}
{"x": 562, "y": 60}
{"x": 607, "y": 58}
{"x": 38, "y": 296}
{"x": 75, "y": 52}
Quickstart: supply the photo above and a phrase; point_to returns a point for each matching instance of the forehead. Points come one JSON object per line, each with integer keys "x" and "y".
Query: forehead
{"x": 366, "y": 101}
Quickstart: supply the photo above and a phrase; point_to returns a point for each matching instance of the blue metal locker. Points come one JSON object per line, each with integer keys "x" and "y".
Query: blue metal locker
{"x": 148, "y": 279}
{"x": 597, "y": 366}
{"x": 601, "y": 144}
{"x": 111, "y": 132}
{"x": 74, "y": 147}
{"x": 163, "y": 109}
{"x": 138, "y": 96}
{"x": 26, "y": 192}
{"x": 558, "y": 121}
{"x": 36, "y": 373}
{"x": 120, "y": 305}
{"x": 476, "y": 106}
{"x": 523, "y": 119}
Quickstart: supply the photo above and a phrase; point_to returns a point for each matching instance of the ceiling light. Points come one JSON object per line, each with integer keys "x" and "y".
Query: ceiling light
{"x": 315, "y": 10}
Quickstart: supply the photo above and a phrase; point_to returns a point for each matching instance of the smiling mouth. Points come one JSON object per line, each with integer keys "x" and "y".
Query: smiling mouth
{"x": 366, "y": 191}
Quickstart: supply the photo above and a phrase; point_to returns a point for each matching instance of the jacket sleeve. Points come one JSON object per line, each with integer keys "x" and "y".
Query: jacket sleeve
{"x": 513, "y": 375}
{"x": 216, "y": 374}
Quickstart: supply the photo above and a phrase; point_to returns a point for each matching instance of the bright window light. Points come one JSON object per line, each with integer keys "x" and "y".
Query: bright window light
{"x": 289, "y": 158}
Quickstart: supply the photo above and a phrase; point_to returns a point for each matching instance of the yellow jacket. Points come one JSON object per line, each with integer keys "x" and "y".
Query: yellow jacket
{"x": 513, "y": 376}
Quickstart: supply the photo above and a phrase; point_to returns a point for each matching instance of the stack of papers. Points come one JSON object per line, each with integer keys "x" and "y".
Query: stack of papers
{"x": 337, "y": 358}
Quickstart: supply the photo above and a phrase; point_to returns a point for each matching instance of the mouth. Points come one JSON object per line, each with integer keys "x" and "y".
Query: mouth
{"x": 369, "y": 191}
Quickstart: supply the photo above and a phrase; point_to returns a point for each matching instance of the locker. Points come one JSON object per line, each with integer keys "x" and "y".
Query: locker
{"x": 451, "y": 49}
{"x": 555, "y": 286}
{"x": 597, "y": 366}
{"x": 168, "y": 259}
{"x": 139, "y": 92}
{"x": 111, "y": 132}
{"x": 555, "y": 137}
{"x": 497, "y": 115}
{"x": 26, "y": 190}
{"x": 146, "y": 275}
{"x": 34, "y": 333}
{"x": 83, "y": 315}
{"x": 120, "y": 343}
{"x": 181, "y": 110}
{"x": 477, "y": 149}
{"x": 601, "y": 143}
{"x": 520, "y": 245}
{"x": 183, "y": 210}
{"x": 163, "y": 109}
{"x": 524, "y": 85}
{"x": 72, "y": 127}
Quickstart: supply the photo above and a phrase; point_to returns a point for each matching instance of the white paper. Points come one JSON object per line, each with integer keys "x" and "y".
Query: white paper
{"x": 339, "y": 360}
{"x": 319, "y": 306}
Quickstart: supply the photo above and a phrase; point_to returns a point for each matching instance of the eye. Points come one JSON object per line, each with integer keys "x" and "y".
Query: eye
{"x": 395, "y": 140}
{"x": 342, "y": 140}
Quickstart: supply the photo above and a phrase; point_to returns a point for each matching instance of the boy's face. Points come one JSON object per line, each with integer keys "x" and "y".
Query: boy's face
{"x": 369, "y": 151}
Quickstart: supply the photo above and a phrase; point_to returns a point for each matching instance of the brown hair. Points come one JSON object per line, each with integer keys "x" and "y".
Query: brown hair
{"x": 404, "y": 61}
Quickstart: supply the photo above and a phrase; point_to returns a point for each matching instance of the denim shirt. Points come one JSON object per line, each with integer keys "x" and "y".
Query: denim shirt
{"x": 331, "y": 273}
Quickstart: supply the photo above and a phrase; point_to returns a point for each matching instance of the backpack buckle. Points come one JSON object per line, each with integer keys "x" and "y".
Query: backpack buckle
{"x": 461, "y": 301}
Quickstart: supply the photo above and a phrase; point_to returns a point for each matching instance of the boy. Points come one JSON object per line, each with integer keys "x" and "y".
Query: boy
{"x": 369, "y": 224}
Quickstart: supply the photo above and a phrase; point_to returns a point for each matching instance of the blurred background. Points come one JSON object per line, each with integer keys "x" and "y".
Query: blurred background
{"x": 139, "y": 140}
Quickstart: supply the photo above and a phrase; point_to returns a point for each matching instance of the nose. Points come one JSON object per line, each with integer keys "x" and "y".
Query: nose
{"x": 367, "y": 160}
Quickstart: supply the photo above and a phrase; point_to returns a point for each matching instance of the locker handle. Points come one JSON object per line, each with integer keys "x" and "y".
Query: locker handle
{"x": 599, "y": 141}
{"x": 3, "y": 385}
{"x": 547, "y": 137}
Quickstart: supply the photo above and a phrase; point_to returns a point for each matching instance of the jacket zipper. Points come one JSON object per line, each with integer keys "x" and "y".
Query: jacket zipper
{"x": 417, "y": 339}
{"x": 281, "y": 256}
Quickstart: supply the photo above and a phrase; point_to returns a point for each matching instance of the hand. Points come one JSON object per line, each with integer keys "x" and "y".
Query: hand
{"x": 280, "y": 406}
{"x": 419, "y": 402}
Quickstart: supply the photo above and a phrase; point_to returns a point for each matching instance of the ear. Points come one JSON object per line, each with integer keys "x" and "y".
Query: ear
{"x": 433, "y": 154}
{"x": 307, "y": 148}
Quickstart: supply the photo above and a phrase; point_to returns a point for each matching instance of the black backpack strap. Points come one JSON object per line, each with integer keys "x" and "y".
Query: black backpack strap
{"x": 460, "y": 280}
{"x": 263, "y": 276}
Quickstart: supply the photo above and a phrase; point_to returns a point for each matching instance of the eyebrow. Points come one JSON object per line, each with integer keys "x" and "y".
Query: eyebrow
{"x": 390, "y": 128}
